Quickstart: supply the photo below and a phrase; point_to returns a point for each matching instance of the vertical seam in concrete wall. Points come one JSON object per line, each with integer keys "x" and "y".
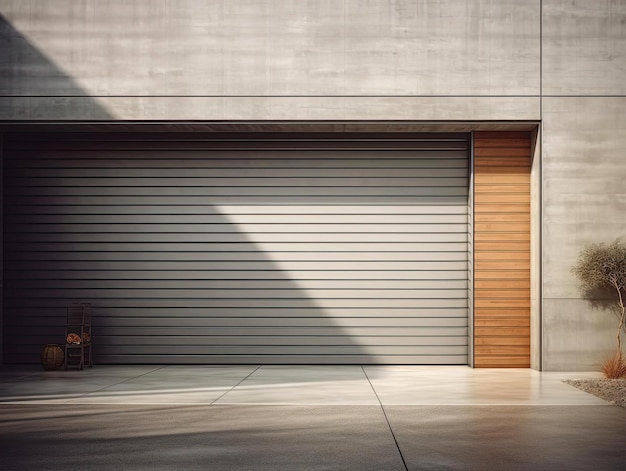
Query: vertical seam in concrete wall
{"x": 1, "y": 250}
{"x": 539, "y": 153}
{"x": 541, "y": 59}
{"x": 536, "y": 252}
{"x": 470, "y": 258}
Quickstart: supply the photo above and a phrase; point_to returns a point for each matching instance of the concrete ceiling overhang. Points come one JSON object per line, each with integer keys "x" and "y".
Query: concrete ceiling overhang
{"x": 325, "y": 127}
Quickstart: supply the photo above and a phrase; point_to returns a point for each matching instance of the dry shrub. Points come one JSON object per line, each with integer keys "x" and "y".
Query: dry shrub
{"x": 602, "y": 267}
{"x": 614, "y": 366}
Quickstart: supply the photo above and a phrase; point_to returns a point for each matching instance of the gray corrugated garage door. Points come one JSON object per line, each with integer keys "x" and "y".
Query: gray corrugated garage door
{"x": 251, "y": 251}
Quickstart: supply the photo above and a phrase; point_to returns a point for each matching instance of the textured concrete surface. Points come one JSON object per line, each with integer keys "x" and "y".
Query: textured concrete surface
{"x": 511, "y": 438}
{"x": 311, "y": 417}
{"x": 584, "y": 199}
{"x": 584, "y": 47}
{"x": 271, "y": 108}
{"x": 263, "y": 47}
{"x": 290, "y": 385}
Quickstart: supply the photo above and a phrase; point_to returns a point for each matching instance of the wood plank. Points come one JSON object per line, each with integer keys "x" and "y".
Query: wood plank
{"x": 501, "y": 293}
{"x": 498, "y": 341}
{"x": 502, "y": 327}
{"x": 487, "y": 237}
{"x": 499, "y": 246}
{"x": 484, "y": 255}
{"x": 502, "y": 349}
{"x": 502, "y": 217}
{"x": 501, "y": 321}
{"x": 502, "y": 284}
{"x": 502, "y": 265}
{"x": 506, "y": 361}
{"x": 493, "y": 162}
{"x": 502, "y": 227}
{"x": 502, "y": 303}
{"x": 507, "y": 313}
{"x": 504, "y": 207}
{"x": 500, "y": 135}
{"x": 489, "y": 178}
{"x": 502, "y": 152}
{"x": 497, "y": 197}
{"x": 506, "y": 190}
{"x": 520, "y": 141}
{"x": 502, "y": 170}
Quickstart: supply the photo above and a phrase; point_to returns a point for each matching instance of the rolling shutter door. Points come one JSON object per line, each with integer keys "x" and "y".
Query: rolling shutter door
{"x": 251, "y": 251}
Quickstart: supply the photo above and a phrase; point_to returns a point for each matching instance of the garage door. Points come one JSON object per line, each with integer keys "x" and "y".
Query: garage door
{"x": 256, "y": 250}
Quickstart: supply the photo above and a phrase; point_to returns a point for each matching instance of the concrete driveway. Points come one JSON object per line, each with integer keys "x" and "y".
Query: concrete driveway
{"x": 304, "y": 417}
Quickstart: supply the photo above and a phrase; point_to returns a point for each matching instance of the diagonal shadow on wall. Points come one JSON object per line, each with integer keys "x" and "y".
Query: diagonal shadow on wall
{"x": 32, "y": 86}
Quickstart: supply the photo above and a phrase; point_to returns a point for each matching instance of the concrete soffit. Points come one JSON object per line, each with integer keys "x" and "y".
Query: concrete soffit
{"x": 268, "y": 126}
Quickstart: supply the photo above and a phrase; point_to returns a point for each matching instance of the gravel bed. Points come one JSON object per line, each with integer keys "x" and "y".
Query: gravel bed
{"x": 611, "y": 390}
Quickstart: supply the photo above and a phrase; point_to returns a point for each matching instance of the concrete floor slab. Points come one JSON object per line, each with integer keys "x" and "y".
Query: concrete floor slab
{"x": 510, "y": 437}
{"x": 304, "y": 417}
{"x": 172, "y": 385}
{"x": 304, "y": 384}
{"x": 460, "y": 385}
{"x": 80, "y": 437}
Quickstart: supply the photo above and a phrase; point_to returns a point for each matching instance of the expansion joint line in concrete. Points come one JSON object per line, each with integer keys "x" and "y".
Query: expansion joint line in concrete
{"x": 108, "y": 386}
{"x": 393, "y": 435}
{"x": 234, "y": 386}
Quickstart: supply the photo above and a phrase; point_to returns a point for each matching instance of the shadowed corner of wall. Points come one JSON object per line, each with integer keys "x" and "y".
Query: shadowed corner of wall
{"x": 33, "y": 87}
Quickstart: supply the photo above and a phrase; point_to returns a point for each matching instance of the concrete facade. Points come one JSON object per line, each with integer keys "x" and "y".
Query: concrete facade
{"x": 555, "y": 62}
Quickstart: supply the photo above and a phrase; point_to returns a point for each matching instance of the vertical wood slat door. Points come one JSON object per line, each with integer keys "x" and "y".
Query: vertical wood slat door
{"x": 502, "y": 162}
{"x": 196, "y": 251}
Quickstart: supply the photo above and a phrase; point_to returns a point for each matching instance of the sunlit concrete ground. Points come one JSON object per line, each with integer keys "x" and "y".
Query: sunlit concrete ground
{"x": 295, "y": 385}
{"x": 304, "y": 417}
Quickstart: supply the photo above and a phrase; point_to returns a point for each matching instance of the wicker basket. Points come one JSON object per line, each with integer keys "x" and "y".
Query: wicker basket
{"x": 51, "y": 357}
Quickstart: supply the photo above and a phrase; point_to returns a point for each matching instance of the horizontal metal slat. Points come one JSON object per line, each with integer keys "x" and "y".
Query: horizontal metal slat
{"x": 226, "y": 218}
{"x": 25, "y": 274}
{"x": 266, "y": 265}
{"x": 420, "y": 286}
{"x": 31, "y": 298}
{"x": 254, "y": 256}
{"x": 41, "y": 319}
{"x": 183, "y": 174}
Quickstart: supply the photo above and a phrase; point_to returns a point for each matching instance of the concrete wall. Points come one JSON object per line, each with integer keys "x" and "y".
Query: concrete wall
{"x": 278, "y": 60}
{"x": 559, "y": 61}
{"x": 584, "y": 166}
